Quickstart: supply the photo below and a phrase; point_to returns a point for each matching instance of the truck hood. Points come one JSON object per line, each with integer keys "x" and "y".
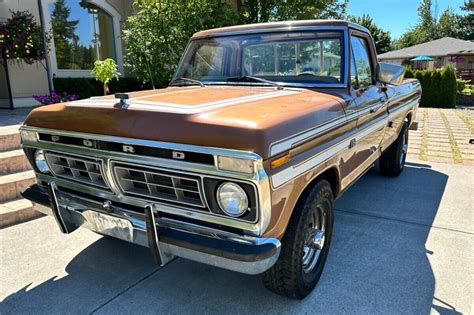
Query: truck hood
{"x": 240, "y": 118}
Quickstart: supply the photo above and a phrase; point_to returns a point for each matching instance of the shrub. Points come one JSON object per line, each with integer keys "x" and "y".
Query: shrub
{"x": 87, "y": 87}
{"x": 468, "y": 89}
{"x": 54, "y": 98}
{"x": 409, "y": 72}
{"x": 439, "y": 87}
{"x": 461, "y": 84}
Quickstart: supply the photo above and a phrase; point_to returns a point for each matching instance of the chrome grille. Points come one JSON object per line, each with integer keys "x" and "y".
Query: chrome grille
{"x": 150, "y": 183}
{"x": 86, "y": 171}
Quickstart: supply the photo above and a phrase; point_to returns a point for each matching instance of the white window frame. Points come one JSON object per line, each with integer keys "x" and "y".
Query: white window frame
{"x": 71, "y": 73}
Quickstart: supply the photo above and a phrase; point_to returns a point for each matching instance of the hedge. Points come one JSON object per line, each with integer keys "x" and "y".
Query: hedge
{"x": 439, "y": 87}
{"x": 87, "y": 87}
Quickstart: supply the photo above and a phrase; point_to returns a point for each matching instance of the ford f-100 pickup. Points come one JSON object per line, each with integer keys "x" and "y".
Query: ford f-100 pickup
{"x": 236, "y": 163}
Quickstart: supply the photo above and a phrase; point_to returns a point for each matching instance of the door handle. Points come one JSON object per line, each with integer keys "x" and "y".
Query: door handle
{"x": 378, "y": 106}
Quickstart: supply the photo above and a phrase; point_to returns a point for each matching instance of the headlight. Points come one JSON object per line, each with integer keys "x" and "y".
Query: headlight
{"x": 232, "y": 199}
{"x": 41, "y": 162}
{"x": 235, "y": 164}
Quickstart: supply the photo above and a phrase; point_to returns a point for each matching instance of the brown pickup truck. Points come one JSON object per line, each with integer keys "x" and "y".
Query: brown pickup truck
{"x": 238, "y": 162}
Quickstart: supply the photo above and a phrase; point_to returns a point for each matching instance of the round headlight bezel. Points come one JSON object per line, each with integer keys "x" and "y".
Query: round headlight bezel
{"x": 237, "y": 189}
{"x": 40, "y": 162}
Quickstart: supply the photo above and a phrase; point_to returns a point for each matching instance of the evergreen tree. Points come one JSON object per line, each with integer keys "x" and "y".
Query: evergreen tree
{"x": 430, "y": 28}
{"x": 381, "y": 38}
{"x": 64, "y": 33}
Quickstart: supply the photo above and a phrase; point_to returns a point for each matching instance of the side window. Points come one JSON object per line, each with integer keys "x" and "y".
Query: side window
{"x": 361, "y": 70}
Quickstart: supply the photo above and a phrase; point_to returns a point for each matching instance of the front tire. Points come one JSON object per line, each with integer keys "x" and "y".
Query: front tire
{"x": 305, "y": 245}
{"x": 392, "y": 161}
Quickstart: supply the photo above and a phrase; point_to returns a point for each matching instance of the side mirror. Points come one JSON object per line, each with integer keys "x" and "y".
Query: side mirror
{"x": 389, "y": 74}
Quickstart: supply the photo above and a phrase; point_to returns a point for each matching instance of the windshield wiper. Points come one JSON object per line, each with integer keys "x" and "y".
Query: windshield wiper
{"x": 251, "y": 78}
{"x": 176, "y": 81}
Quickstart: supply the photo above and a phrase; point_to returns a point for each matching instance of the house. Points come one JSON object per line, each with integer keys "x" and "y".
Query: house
{"x": 86, "y": 30}
{"x": 444, "y": 51}
{"x": 97, "y": 27}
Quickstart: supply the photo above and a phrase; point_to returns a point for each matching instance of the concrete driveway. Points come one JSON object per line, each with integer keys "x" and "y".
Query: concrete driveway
{"x": 402, "y": 245}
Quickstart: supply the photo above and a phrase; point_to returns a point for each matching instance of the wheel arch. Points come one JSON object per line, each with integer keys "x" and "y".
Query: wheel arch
{"x": 331, "y": 174}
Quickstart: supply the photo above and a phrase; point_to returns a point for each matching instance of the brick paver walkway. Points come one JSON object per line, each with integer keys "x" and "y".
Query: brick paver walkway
{"x": 443, "y": 135}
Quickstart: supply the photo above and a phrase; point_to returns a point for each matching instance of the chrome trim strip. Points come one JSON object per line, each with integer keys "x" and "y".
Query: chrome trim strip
{"x": 292, "y": 172}
{"x": 281, "y": 83}
{"x": 291, "y": 141}
{"x": 144, "y": 142}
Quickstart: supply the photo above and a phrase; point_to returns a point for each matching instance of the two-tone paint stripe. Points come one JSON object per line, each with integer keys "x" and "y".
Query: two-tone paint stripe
{"x": 294, "y": 171}
{"x": 292, "y": 141}
{"x": 180, "y": 108}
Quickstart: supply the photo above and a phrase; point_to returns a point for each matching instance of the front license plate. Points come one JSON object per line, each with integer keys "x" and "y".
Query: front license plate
{"x": 109, "y": 225}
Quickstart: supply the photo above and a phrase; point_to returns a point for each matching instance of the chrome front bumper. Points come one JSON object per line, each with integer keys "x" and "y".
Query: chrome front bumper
{"x": 166, "y": 238}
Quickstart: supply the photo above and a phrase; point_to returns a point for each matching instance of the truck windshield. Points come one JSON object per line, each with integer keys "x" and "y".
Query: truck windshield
{"x": 287, "y": 58}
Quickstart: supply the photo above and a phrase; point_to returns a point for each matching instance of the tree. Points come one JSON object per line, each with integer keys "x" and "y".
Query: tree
{"x": 64, "y": 33}
{"x": 467, "y": 21}
{"x": 256, "y": 11}
{"x": 381, "y": 38}
{"x": 427, "y": 20}
{"x": 105, "y": 71}
{"x": 158, "y": 32}
{"x": 430, "y": 28}
{"x": 448, "y": 24}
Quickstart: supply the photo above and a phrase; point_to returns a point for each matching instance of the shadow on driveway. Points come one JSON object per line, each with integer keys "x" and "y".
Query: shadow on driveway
{"x": 377, "y": 264}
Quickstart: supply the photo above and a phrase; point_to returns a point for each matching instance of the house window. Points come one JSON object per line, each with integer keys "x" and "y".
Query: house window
{"x": 82, "y": 34}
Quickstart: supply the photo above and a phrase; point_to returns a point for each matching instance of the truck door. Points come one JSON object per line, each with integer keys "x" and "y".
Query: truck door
{"x": 371, "y": 102}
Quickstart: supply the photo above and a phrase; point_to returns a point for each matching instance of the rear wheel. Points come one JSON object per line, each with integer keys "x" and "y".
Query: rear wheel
{"x": 305, "y": 245}
{"x": 392, "y": 161}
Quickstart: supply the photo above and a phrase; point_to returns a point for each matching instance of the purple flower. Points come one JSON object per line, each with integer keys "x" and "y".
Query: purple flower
{"x": 55, "y": 97}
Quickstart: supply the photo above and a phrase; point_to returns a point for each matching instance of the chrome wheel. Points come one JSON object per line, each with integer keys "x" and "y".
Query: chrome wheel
{"x": 314, "y": 240}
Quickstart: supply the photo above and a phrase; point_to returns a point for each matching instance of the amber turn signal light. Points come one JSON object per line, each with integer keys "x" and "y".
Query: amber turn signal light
{"x": 280, "y": 161}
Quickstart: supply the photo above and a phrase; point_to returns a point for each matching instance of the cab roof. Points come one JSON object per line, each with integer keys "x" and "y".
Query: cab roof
{"x": 280, "y": 26}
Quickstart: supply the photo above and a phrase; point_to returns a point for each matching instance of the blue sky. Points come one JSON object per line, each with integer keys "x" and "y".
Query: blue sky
{"x": 397, "y": 16}
{"x": 85, "y": 25}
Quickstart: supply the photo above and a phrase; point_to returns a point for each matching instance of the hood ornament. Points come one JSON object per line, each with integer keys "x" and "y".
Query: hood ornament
{"x": 123, "y": 100}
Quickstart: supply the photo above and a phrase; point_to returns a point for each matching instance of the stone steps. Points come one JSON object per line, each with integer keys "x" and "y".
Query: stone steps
{"x": 13, "y": 161}
{"x": 16, "y": 211}
{"x": 15, "y": 175}
{"x": 10, "y": 138}
{"x": 11, "y": 185}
